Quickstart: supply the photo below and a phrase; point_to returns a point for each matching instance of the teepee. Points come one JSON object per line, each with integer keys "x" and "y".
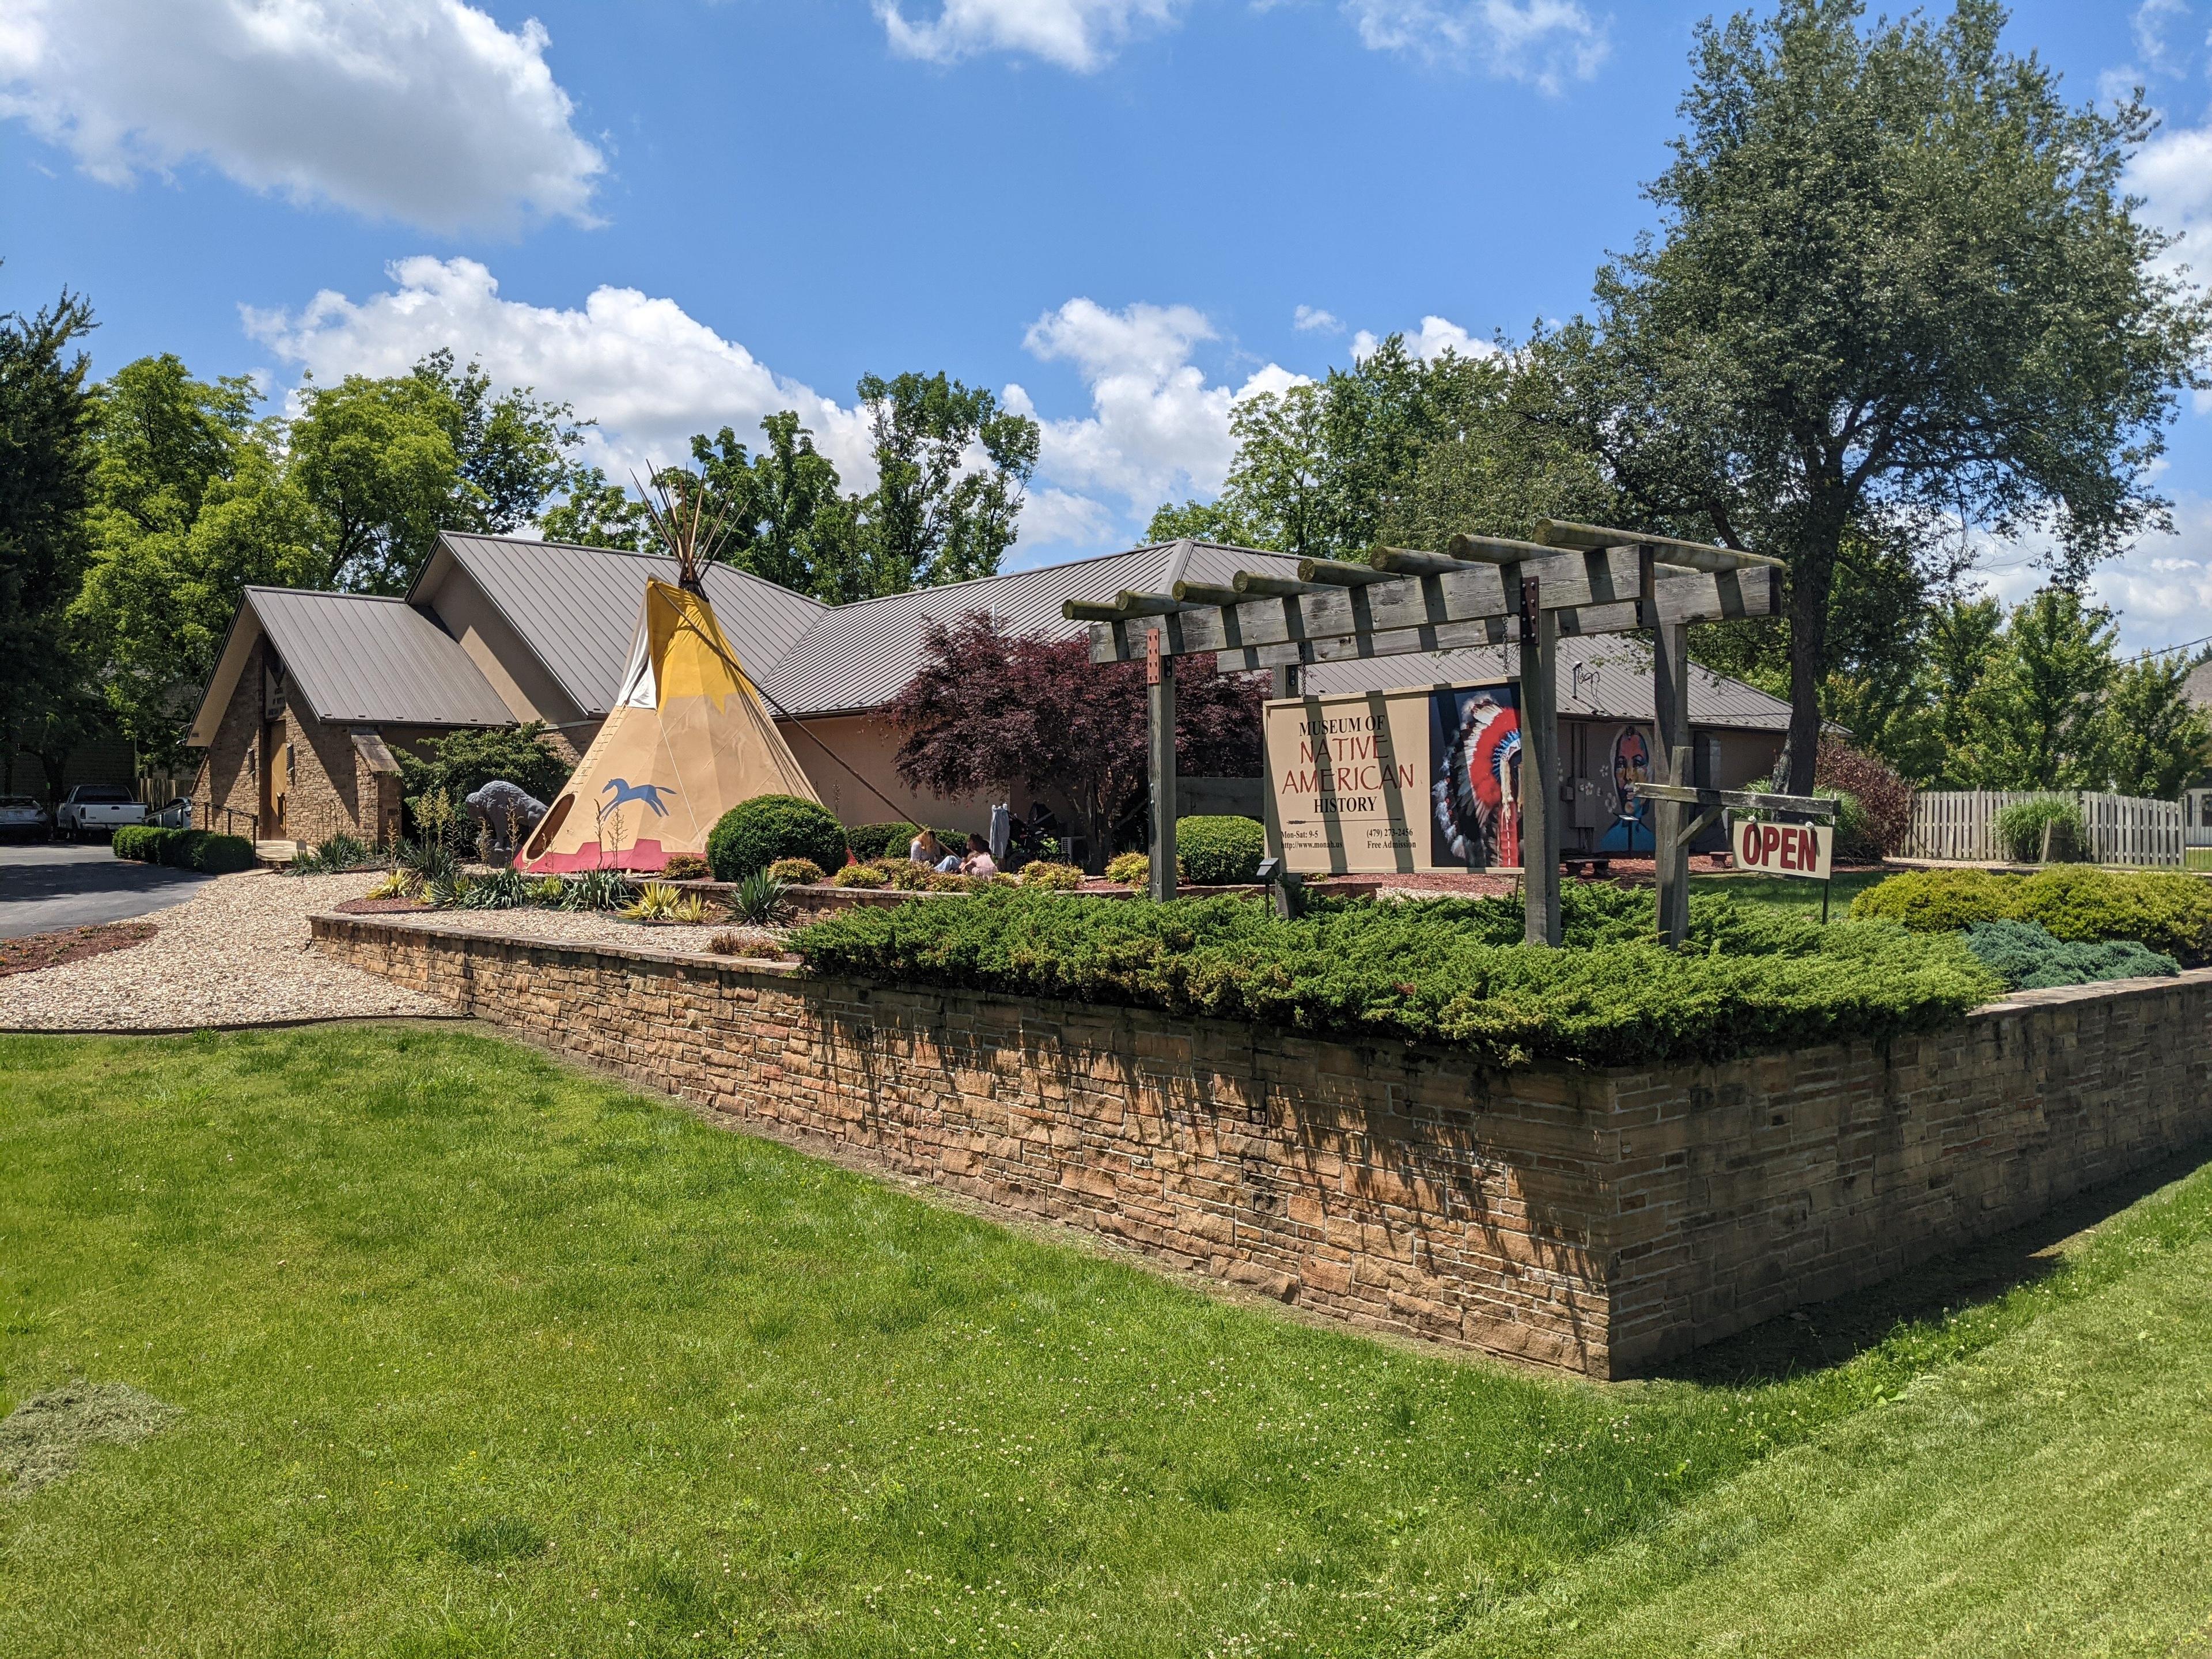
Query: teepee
{"x": 687, "y": 739}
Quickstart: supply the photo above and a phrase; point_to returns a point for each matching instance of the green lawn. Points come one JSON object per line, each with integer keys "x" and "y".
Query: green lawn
{"x": 1786, "y": 891}
{"x": 472, "y": 1355}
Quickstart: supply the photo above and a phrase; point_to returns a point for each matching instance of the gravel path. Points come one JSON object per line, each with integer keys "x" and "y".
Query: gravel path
{"x": 577, "y": 928}
{"x": 237, "y": 953}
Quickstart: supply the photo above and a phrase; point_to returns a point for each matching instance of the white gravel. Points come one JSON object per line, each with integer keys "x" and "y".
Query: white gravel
{"x": 580, "y": 928}
{"x": 236, "y": 953}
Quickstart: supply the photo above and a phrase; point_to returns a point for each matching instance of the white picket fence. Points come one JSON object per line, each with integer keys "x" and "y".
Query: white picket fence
{"x": 1961, "y": 824}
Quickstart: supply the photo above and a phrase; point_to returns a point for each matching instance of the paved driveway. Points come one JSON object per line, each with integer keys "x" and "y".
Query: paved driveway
{"x": 55, "y": 884}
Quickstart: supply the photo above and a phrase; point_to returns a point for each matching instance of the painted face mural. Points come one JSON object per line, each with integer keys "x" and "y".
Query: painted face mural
{"x": 1477, "y": 790}
{"x": 1632, "y": 763}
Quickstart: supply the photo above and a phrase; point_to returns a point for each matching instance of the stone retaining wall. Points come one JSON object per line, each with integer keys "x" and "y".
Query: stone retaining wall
{"x": 1597, "y": 1222}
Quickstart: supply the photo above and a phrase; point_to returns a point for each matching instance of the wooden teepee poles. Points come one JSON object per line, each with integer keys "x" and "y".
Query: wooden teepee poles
{"x": 691, "y": 544}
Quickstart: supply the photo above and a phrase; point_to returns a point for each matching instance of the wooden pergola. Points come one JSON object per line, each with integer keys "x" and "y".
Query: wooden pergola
{"x": 1482, "y": 590}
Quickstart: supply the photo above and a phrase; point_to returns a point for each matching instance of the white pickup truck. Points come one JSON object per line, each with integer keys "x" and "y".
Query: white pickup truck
{"x": 96, "y": 809}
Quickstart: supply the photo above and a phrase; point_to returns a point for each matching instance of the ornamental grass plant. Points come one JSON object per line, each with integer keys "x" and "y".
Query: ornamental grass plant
{"x": 1447, "y": 971}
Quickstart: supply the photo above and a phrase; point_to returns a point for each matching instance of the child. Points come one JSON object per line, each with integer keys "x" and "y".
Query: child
{"x": 978, "y": 861}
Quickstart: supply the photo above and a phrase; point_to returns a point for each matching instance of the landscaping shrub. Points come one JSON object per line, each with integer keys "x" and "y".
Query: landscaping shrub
{"x": 686, "y": 866}
{"x": 2027, "y": 957}
{"x": 139, "y": 842}
{"x": 903, "y": 873}
{"x": 1134, "y": 869}
{"x": 794, "y": 872}
{"x": 1220, "y": 852}
{"x": 1419, "y": 972}
{"x": 858, "y": 875}
{"x": 2167, "y": 911}
{"x": 755, "y": 834}
{"x": 1883, "y": 799}
{"x": 459, "y": 763}
{"x": 870, "y": 841}
{"x": 1056, "y": 877}
{"x": 664, "y": 900}
{"x": 338, "y": 853}
{"x": 2027, "y": 829}
{"x": 205, "y": 850}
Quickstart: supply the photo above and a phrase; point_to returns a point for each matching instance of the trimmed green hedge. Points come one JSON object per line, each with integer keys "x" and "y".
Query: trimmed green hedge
{"x": 2169, "y": 912}
{"x": 870, "y": 841}
{"x": 754, "y": 834}
{"x": 1220, "y": 852}
{"x": 184, "y": 849}
{"x": 2027, "y": 957}
{"x": 1436, "y": 971}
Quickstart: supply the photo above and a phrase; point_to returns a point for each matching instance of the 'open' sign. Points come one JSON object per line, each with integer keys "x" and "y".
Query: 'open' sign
{"x": 1786, "y": 849}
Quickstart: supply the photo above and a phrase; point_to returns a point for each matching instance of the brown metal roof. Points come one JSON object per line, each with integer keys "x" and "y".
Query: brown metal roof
{"x": 576, "y": 607}
{"x": 860, "y": 655}
{"x": 357, "y": 659}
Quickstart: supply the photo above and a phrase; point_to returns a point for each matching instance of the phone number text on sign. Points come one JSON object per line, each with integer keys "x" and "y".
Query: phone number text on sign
{"x": 1786, "y": 849}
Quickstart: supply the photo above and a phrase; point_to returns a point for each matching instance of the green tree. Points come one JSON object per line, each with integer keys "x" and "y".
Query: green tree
{"x": 786, "y": 518}
{"x": 2036, "y": 718}
{"x": 936, "y": 516}
{"x": 595, "y": 512}
{"x": 189, "y": 505}
{"x": 2157, "y": 742}
{"x": 1203, "y": 521}
{"x": 45, "y": 484}
{"x": 1899, "y": 280}
{"x": 388, "y": 463}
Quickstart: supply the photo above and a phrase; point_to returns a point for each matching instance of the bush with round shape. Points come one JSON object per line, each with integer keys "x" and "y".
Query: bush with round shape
{"x": 870, "y": 841}
{"x": 686, "y": 866}
{"x": 1132, "y": 869}
{"x": 1058, "y": 877}
{"x": 795, "y": 872}
{"x": 1938, "y": 901}
{"x": 1220, "y": 852}
{"x": 141, "y": 842}
{"x": 755, "y": 834}
{"x": 2027, "y": 829}
{"x": 206, "y": 851}
{"x": 858, "y": 875}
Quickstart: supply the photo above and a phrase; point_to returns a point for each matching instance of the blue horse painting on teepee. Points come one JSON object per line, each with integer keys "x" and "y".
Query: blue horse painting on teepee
{"x": 626, "y": 791}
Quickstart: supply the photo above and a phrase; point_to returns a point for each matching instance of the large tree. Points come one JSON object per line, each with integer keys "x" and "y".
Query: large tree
{"x": 991, "y": 710}
{"x": 189, "y": 504}
{"x": 950, "y": 467}
{"x": 386, "y": 463}
{"x": 45, "y": 480}
{"x": 1899, "y": 286}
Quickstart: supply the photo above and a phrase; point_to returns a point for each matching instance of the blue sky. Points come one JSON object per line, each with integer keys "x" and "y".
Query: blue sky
{"x": 1119, "y": 213}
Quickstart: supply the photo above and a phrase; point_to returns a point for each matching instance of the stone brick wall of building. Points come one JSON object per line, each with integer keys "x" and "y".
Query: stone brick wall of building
{"x": 1593, "y": 1222}
{"x": 227, "y": 775}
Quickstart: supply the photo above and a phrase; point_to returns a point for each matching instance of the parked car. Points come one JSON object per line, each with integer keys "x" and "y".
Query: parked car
{"x": 177, "y": 815}
{"x": 96, "y": 809}
{"x": 21, "y": 818}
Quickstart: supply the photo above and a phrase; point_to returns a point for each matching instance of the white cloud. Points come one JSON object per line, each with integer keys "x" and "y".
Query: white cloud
{"x": 2154, "y": 25}
{"x": 424, "y": 110}
{"x": 2159, "y": 590}
{"x": 1545, "y": 43}
{"x": 1157, "y": 430}
{"x": 2174, "y": 174}
{"x": 1082, "y": 35}
{"x": 1313, "y": 319}
{"x": 1435, "y": 336}
{"x": 649, "y": 372}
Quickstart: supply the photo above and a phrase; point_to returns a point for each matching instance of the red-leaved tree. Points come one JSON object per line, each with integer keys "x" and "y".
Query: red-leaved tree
{"x": 991, "y": 710}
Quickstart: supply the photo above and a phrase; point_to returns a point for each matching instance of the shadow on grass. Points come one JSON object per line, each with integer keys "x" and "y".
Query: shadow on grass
{"x": 1831, "y": 1334}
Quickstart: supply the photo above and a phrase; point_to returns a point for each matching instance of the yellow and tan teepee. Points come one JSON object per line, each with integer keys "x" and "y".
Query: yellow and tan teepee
{"x": 687, "y": 741}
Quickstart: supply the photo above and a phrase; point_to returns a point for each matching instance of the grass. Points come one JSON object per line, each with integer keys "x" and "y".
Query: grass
{"x": 1792, "y": 894}
{"x": 469, "y": 1354}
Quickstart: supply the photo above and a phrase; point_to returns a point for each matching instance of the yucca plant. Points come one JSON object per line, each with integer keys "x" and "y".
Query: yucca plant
{"x": 397, "y": 884}
{"x": 661, "y": 901}
{"x": 596, "y": 889}
{"x": 760, "y": 900}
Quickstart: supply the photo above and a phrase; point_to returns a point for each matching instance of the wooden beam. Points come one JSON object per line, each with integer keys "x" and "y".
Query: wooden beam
{"x": 1444, "y": 637}
{"x": 1160, "y": 722}
{"x": 1670, "y": 710}
{"x": 1404, "y": 561}
{"x": 1811, "y": 806}
{"x": 1570, "y": 579}
{"x": 1539, "y": 769}
{"x": 1249, "y": 585}
{"x": 1206, "y": 594}
{"x": 1337, "y": 574}
{"x": 1682, "y": 596}
{"x": 1668, "y": 549}
{"x": 1147, "y": 604}
{"x": 1084, "y": 610}
{"x": 1495, "y": 549}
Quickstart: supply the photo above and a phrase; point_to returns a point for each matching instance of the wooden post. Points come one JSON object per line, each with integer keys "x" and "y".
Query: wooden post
{"x": 1160, "y": 709}
{"x": 1670, "y": 681}
{"x": 1540, "y": 767}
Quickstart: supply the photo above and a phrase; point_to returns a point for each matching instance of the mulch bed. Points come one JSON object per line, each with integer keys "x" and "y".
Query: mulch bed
{"x": 369, "y": 906}
{"x": 36, "y": 951}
